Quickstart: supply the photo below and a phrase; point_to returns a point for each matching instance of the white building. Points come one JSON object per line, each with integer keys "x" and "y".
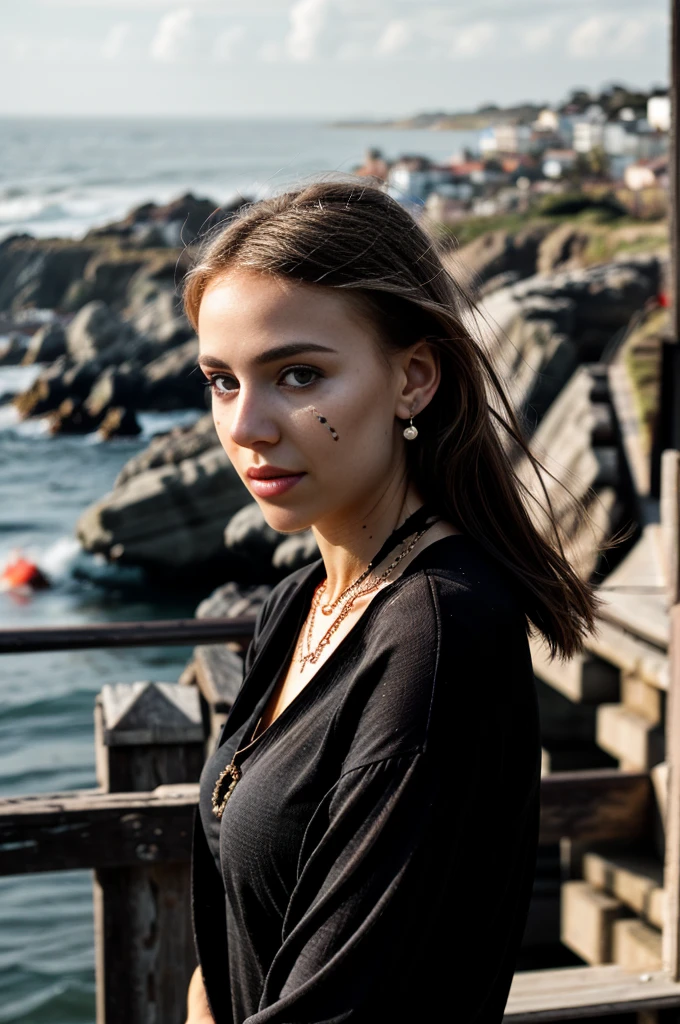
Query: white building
{"x": 659, "y": 113}
{"x": 557, "y": 161}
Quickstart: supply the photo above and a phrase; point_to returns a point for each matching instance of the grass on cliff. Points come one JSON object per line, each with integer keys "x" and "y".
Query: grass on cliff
{"x": 642, "y": 359}
{"x": 609, "y": 227}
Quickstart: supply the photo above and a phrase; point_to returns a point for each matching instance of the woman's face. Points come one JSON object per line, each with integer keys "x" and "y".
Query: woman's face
{"x": 304, "y": 400}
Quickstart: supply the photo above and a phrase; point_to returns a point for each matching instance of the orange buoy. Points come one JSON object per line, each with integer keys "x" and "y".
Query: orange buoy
{"x": 23, "y": 574}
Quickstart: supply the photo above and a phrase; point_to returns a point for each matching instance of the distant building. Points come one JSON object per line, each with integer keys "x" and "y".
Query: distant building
{"x": 374, "y": 166}
{"x": 547, "y": 121}
{"x": 588, "y": 128}
{"x": 659, "y": 113}
{"x": 646, "y": 173}
{"x": 557, "y": 161}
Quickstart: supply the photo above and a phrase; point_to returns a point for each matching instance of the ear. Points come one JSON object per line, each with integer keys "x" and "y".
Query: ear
{"x": 419, "y": 379}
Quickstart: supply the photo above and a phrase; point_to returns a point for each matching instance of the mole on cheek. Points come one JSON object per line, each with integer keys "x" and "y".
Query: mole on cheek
{"x": 324, "y": 421}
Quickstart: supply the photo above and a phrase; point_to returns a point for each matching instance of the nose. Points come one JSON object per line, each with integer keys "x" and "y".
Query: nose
{"x": 251, "y": 420}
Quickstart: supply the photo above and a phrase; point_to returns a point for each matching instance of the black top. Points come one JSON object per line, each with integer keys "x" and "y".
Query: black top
{"x": 375, "y": 861}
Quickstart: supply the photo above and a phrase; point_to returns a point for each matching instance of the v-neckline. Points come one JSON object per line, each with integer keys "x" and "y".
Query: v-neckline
{"x": 301, "y": 594}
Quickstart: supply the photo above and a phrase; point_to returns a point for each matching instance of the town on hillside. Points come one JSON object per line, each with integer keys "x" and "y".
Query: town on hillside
{"x": 614, "y": 143}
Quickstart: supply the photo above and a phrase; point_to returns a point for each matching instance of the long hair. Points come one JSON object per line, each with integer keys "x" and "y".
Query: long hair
{"x": 351, "y": 235}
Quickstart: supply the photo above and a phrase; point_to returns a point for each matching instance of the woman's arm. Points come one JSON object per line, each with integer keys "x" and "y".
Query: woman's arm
{"x": 198, "y": 1011}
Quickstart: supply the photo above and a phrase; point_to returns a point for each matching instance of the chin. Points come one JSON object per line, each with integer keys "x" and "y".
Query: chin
{"x": 285, "y": 520}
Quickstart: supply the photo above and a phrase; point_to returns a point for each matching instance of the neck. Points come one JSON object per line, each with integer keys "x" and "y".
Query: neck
{"x": 349, "y": 543}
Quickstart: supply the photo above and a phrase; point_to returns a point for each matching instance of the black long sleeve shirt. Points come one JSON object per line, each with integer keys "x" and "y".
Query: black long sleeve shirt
{"x": 375, "y": 861}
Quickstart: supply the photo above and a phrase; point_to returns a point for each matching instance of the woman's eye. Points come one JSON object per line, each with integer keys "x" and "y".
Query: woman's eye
{"x": 222, "y": 383}
{"x": 300, "y": 376}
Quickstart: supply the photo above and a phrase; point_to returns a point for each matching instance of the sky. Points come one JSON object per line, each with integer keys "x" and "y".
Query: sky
{"x": 318, "y": 58}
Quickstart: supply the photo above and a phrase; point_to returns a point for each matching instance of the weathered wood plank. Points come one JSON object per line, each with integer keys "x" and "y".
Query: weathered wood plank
{"x": 572, "y": 993}
{"x": 89, "y": 828}
{"x": 595, "y": 805}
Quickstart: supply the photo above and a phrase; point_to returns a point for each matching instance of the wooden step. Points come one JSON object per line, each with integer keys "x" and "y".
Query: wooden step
{"x": 584, "y": 679}
{"x": 633, "y": 879}
{"x": 573, "y": 993}
{"x": 636, "y": 946}
{"x": 587, "y": 916}
{"x": 637, "y": 742}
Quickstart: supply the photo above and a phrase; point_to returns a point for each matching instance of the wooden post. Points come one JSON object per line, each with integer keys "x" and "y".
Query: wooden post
{"x": 670, "y": 526}
{"x": 146, "y": 735}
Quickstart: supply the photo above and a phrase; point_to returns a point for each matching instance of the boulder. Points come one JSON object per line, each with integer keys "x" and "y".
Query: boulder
{"x": 173, "y": 382}
{"x": 37, "y": 273}
{"x": 71, "y": 417}
{"x": 106, "y": 277}
{"x": 562, "y": 248}
{"x": 234, "y": 600}
{"x": 172, "y": 448}
{"x": 162, "y": 320}
{"x": 12, "y": 350}
{"x": 119, "y": 422}
{"x": 97, "y": 331}
{"x": 116, "y": 386}
{"x": 46, "y": 392}
{"x": 249, "y": 534}
{"x": 496, "y": 252}
{"x": 169, "y": 519}
{"x": 295, "y": 551}
{"x": 46, "y": 345}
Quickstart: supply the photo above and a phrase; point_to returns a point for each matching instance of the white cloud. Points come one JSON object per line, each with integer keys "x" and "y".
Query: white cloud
{"x": 226, "y": 43}
{"x": 538, "y": 37}
{"x": 270, "y": 52}
{"x": 171, "y": 33}
{"x": 604, "y": 34}
{"x": 307, "y": 23}
{"x": 473, "y": 40}
{"x": 394, "y": 39}
{"x": 112, "y": 46}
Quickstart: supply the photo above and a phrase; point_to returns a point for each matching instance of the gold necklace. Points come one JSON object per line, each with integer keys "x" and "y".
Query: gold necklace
{"x": 312, "y": 656}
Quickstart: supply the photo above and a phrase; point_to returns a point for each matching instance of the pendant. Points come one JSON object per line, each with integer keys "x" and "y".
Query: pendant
{"x": 232, "y": 773}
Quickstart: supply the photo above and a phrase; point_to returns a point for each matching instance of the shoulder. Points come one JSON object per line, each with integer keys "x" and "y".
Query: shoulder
{"x": 454, "y": 587}
{"x": 447, "y": 645}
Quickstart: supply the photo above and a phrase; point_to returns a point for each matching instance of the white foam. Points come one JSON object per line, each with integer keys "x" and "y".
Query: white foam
{"x": 161, "y": 422}
{"x": 59, "y": 558}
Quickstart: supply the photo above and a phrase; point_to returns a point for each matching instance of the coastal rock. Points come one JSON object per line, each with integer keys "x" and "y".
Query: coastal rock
{"x": 37, "y": 273}
{"x": 95, "y": 331}
{"x": 119, "y": 423}
{"x": 46, "y": 392}
{"x": 249, "y": 534}
{"x": 13, "y": 350}
{"x": 175, "y": 223}
{"x": 172, "y": 448}
{"x": 46, "y": 345}
{"x": 496, "y": 252}
{"x": 562, "y": 248}
{"x": 116, "y": 386}
{"x": 172, "y": 381}
{"x": 72, "y": 417}
{"x": 170, "y": 519}
{"x": 234, "y": 600}
{"x": 295, "y": 551}
{"x": 161, "y": 320}
{"x": 106, "y": 277}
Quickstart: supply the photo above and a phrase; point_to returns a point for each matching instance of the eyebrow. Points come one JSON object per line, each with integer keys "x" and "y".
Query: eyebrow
{"x": 271, "y": 355}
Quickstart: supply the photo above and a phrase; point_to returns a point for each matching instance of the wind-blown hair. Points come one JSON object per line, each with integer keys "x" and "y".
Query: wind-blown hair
{"x": 351, "y": 235}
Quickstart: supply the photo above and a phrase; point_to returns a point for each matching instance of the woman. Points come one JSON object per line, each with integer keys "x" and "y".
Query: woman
{"x": 365, "y": 843}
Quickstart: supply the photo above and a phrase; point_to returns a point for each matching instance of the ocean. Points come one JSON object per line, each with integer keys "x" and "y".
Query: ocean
{"x": 59, "y": 178}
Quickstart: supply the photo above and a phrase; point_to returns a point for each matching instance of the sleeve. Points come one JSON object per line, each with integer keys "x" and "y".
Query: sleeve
{"x": 416, "y": 873}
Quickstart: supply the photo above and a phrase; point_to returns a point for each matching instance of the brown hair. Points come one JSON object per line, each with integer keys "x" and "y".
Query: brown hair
{"x": 349, "y": 234}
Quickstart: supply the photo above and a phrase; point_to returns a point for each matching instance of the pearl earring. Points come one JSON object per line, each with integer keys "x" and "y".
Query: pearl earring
{"x": 410, "y": 432}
